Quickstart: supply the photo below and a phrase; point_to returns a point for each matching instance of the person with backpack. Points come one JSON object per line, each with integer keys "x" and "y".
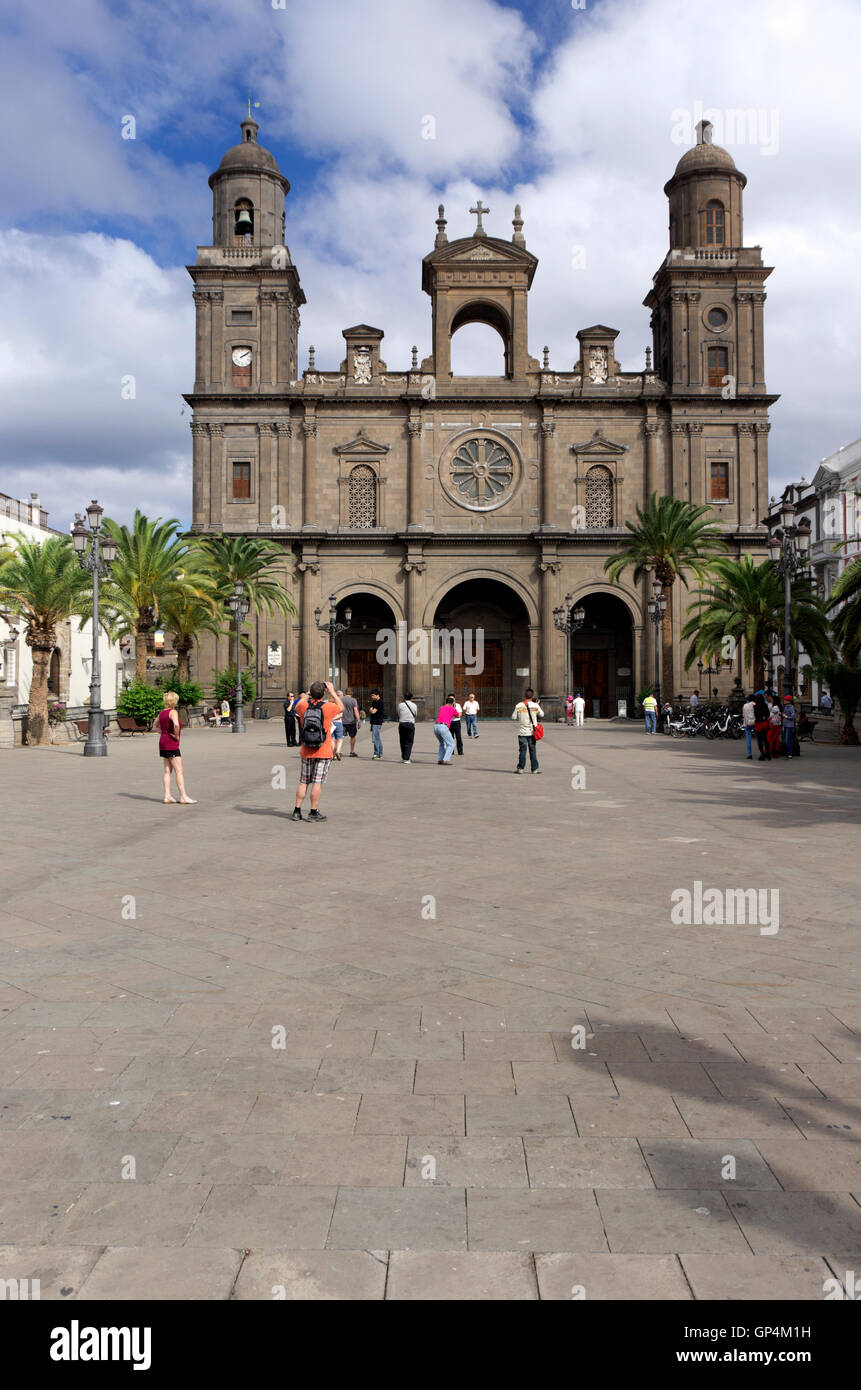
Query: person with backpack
{"x": 316, "y": 716}
{"x": 407, "y": 711}
{"x": 527, "y": 713}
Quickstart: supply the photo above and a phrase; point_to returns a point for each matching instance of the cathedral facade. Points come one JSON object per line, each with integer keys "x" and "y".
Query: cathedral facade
{"x": 461, "y": 518}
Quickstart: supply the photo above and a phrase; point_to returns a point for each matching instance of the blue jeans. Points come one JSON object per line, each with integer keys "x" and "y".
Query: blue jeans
{"x": 472, "y": 725}
{"x": 525, "y": 741}
{"x": 749, "y": 735}
{"x": 445, "y": 741}
{"x": 651, "y": 722}
{"x": 377, "y": 736}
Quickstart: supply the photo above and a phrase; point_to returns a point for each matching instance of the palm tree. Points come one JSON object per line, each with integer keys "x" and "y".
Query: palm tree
{"x": 45, "y": 585}
{"x": 187, "y": 612}
{"x": 745, "y": 601}
{"x": 843, "y": 679}
{"x": 846, "y": 625}
{"x": 670, "y": 537}
{"x": 253, "y": 562}
{"x": 145, "y": 576}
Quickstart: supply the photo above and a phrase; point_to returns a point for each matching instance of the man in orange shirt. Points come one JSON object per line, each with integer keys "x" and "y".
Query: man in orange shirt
{"x": 316, "y": 716}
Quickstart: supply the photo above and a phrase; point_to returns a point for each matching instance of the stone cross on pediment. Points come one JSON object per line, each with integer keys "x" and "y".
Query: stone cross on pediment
{"x": 480, "y": 211}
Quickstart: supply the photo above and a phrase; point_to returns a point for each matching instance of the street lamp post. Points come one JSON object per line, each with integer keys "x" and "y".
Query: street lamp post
{"x": 333, "y": 627}
{"x": 657, "y": 607}
{"x": 709, "y": 671}
{"x": 96, "y": 551}
{"x": 788, "y": 550}
{"x": 568, "y": 622}
{"x": 239, "y": 605}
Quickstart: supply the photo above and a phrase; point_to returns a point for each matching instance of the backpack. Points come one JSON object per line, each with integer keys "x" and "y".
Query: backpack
{"x": 313, "y": 727}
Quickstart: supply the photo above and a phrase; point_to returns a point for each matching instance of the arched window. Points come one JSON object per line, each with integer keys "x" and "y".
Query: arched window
{"x": 54, "y": 673}
{"x": 714, "y": 223}
{"x": 599, "y": 497}
{"x": 363, "y": 497}
{"x": 243, "y": 222}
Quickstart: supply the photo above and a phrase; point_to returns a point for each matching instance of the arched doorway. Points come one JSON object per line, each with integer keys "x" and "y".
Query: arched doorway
{"x": 361, "y": 659}
{"x": 482, "y": 629}
{"x": 602, "y": 655}
{"x": 54, "y": 674}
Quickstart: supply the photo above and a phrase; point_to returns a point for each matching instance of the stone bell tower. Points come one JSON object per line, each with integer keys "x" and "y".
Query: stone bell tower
{"x": 247, "y": 298}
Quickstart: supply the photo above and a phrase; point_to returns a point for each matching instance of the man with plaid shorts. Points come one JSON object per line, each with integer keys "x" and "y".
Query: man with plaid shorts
{"x": 316, "y": 762}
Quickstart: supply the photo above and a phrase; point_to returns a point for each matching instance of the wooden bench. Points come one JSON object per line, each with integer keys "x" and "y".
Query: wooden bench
{"x": 128, "y": 724}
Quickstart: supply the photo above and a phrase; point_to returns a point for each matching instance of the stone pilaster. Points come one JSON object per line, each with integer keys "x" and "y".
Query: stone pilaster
{"x": 282, "y": 489}
{"x": 695, "y": 361}
{"x": 200, "y": 475}
{"x": 746, "y": 474}
{"x": 697, "y": 468}
{"x": 650, "y": 478}
{"x": 309, "y": 473}
{"x": 268, "y": 338}
{"x": 548, "y": 473}
{"x": 216, "y": 476}
{"x": 416, "y": 471}
{"x": 216, "y": 361}
{"x": 266, "y": 478}
{"x": 202, "y": 339}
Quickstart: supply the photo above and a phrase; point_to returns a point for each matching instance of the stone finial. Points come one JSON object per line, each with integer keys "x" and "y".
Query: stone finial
{"x": 648, "y": 359}
{"x": 441, "y": 238}
{"x": 312, "y": 366}
{"x": 704, "y": 132}
{"x": 546, "y": 366}
{"x": 415, "y": 361}
{"x": 517, "y": 223}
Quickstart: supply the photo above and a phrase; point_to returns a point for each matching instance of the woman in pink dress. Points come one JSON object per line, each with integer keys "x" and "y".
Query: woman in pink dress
{"x": 168, "y": 750}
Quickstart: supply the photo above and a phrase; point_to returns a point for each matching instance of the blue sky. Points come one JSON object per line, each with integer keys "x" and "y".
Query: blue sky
{"x": 570, "y": 112}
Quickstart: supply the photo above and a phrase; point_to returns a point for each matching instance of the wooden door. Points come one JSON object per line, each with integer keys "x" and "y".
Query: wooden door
{"x": 589, "y": 672}
{"x": 364, "y": 674}
{"x": 487, "y": 686}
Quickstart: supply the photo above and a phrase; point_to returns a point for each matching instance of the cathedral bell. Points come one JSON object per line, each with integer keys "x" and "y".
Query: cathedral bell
{"x": 244, "y": 221}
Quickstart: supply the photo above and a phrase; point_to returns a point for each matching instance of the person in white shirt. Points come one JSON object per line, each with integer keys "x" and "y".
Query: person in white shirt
{"x": 579, "y": 710}
{"x": 527, "y": 713}
{"x": 748, "y": 715}
{"x": 407, "y": 711}
{"x": 470, "y": 709}
{"x": 455, "y": 729}
{"x": 694, "y": 700}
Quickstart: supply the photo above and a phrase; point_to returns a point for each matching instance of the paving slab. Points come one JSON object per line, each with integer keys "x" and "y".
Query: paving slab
{"x": 582, "y": 1163}
{"x": 469, "y": 1276}
{"x": 797, "y": 1223}
{"x": 141, "y": 1273}
{"x": 60, "y": 1270}
{"x": 402, "y": 1219}
{"x": 312, "y": 1275}
{"x": 244, "y": 1215}
{"x": 452, "y": 1161}
{"x": 777, "y": 1278}
{"x": 652, "y": 1223}
{"x": 618, "y": 1277}
{"x": 541, "y": 1219}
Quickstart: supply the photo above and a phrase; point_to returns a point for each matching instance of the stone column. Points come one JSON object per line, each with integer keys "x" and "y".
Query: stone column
{"x": 761, "y": 505}
{"x": 202, "y": 339}
{"x": 216, "y": 476}
{"x": 266, "y": 480}
{"x": 314, "y": 651}
{"x": 548, "y": 473}
{"x": 282, "y": 493}
{"x": 268, "y": 337}
{"x": 695, "y": 445}
{"x": 758, "y": 344}
{"x": 695, "y": 376}
{"x": 282, "y": 332}
{"x": 746, "y": 475}
{"x": 650, "y": 430}
{"x": 199, "y": 475}
{"x": 216, "y": 364}
{"x": 416, "y": 469}
{"x": 744, "y": 366}
{"x": 418, "y": 677}
{"x": 309, "y": 473}
{"x": 678, "y": 315}
{"x": 534, "y": 661}
{"x": 550, "y": 638}
{"x": 679, "y": 479}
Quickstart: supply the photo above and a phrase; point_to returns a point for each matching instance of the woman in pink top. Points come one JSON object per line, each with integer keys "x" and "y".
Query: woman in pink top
{"x": 168, "y": 750}
{"x": 442, "y": 729}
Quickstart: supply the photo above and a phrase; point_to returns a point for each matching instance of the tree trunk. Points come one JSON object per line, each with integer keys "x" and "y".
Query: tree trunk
{"x": 182, "y": 653}
{"x": 140, "y": 655}
{"x": 38, "y": 732}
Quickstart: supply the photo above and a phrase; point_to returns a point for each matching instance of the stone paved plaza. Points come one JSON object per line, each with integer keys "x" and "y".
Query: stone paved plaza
{"x": 427, "y": 1129}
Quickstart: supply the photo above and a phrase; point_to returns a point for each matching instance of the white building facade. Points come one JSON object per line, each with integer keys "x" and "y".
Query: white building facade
{"x": 70, "y": 670}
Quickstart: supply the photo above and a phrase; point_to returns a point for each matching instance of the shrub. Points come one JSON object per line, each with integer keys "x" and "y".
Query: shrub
{"x": 141, "y": 701}
{"x": 189, "y": 692}
{"x": 56, "y": 712}
{"x": 225, "y": 687}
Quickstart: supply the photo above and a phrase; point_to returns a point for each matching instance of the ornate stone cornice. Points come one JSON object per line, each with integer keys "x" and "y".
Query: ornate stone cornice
{"x": 694, "y": 427}
{"x": 216, "y": 429}
{"x": 198, "y": 428}
{"x": 308, "y": 567}
{"x": 745, "y": 427}
{"x": 283, "y": 427}
{"x": 763, "y": 426}
{"x": 414, "y": 427}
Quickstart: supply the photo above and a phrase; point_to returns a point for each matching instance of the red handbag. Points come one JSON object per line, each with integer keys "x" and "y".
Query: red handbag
{"x": 538, "y": 729}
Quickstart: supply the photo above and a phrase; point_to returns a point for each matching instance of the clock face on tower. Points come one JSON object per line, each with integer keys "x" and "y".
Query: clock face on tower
{"x": 242, "y": 357}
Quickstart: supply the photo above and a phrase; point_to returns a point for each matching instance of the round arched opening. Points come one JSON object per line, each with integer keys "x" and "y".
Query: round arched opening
{"x": 481, "y": 628}
{"x": 602, "y": 655}
{"x": 364, "y": 660}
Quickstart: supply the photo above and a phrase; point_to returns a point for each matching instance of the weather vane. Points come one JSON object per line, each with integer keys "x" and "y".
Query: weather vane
{"x": 250, "y": 104}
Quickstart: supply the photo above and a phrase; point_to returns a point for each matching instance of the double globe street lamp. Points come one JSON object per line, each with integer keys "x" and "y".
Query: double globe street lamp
{"x": 96, "y": 551}
{"x": 239, "y": 605}
{"x": 657, "y": 607}
{"x": 788, "y": 551}
{"x": 568, "y": 621}
{"x": 333, "y": 627}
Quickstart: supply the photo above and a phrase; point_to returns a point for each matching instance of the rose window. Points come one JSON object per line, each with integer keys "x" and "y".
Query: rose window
{"x": 481, "y": 473}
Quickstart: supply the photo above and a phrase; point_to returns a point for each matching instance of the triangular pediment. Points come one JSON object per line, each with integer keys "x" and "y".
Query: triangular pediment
{"x": 362, "y": 330}
{"x": 598, "y": 330}
{"x": 598, "y": 445}
{"x": 362, "y": 445}
{"x": 481, "y": 250}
